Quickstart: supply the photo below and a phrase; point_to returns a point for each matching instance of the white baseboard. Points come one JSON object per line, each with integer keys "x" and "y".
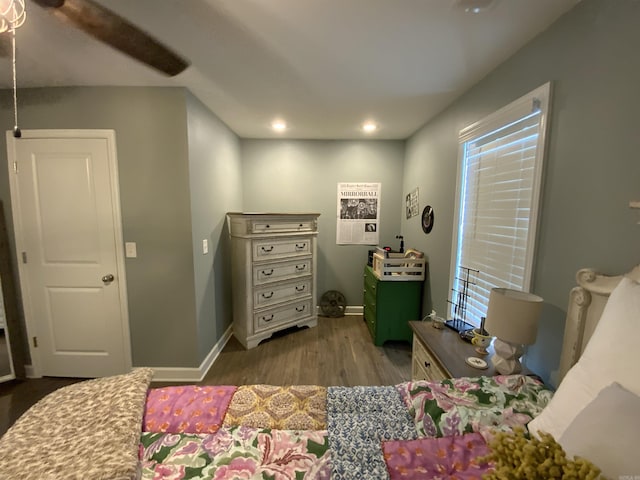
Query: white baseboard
{"x": 186, "y": 374}
{"x": 196, "y": 374}
{"x": 354, "y": 310}
{"x": 349, "y": 310}
{"x": 29, "y": 372}
{"x": 176, "y": 374}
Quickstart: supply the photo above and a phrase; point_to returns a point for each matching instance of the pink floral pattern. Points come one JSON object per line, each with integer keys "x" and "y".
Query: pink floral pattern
{"x": 237, "y": 453}
{"x": 437, "y": 458}
{"x": 462, "y": 405}
{"x": 187, "y": 409}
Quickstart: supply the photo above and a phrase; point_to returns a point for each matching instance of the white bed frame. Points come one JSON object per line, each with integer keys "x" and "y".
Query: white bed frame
{"x": 586, "y": 303}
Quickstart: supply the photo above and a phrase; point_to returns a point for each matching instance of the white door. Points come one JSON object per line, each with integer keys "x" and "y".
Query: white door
{"x": 69, "y": 242}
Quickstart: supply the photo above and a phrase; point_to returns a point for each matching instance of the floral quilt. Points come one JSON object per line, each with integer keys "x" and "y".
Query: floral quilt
{"x": 295, "y": 407}
{"x": 421, "y": 429}
{"x": 483, "y": 404}
{"x": 456, "y": 457}
{"x": 237, "y": 453}
{"x": 190, "y": 409}
{"x": 359, "y": 420}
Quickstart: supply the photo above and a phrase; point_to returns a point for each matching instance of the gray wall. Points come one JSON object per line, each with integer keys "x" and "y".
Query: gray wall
{"x": 151, "y": 140}
{"x": 592, "y": 166}
{"x": 215, "y": 188}
{"x": 303, "y": 176}
{"x": 181, "y": 169}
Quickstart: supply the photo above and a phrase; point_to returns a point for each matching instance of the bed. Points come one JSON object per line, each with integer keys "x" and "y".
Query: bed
{"x": 121, "y": 428}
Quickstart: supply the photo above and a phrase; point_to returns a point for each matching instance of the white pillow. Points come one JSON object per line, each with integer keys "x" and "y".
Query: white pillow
{"x": 608, "y": 357}
{"x": 607, "y": 432}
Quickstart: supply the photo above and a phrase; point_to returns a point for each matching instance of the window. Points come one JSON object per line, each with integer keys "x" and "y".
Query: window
{"x": 499, "y": 186}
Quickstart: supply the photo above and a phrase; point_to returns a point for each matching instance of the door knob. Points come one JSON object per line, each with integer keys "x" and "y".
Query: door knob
{"x": 108, "y": 278}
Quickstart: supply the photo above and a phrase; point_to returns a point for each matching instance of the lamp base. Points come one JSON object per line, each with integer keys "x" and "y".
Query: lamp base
{"x": 506, "y": 359}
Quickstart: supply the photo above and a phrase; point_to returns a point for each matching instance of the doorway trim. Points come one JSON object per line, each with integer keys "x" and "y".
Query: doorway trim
{"x": 31, "y": 323}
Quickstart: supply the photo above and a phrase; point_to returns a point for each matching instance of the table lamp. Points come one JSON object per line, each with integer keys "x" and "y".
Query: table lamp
{"x": 512, "y": 317}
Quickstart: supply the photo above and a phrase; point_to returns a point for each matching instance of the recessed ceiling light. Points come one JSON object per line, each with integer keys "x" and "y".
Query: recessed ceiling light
{"x": 369, "y": 127}
{"x": 279, "y": 125}
{"x": 474, "y": 6}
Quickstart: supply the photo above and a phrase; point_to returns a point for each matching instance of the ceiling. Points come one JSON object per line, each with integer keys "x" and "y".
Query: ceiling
{"x": 323, "y": 66}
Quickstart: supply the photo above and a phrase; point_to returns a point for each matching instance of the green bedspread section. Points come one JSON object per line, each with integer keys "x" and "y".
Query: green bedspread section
{"x": 480, "y": 404}
{"x": 237, "y": 452}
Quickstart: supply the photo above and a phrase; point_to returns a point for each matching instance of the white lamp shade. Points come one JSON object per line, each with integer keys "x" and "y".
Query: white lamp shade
{"x": 512, "y": 315}
{"x": 12, "y": 14}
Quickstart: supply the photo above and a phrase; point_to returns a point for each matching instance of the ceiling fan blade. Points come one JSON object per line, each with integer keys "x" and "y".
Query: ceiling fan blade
{"x": 114, "y": 30}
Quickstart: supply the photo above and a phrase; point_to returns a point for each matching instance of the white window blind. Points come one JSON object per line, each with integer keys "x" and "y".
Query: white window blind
{"x": 499, "y": 190}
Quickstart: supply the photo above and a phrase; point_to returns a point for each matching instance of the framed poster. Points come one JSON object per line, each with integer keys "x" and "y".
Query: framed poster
{"x": 358, "y": 215}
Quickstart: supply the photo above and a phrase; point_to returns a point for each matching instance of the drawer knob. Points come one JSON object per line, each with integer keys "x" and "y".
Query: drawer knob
{"x": 266, "y": 274}
{"x": 301, "y": 267}
{"x": 300, "y": 288}
{"x": 427, "y": 364}
{"x": 267, "y": 319}
{"x": 300, "y": 246}
{"x": 264, "y": 295}
{"x": 267, "y": 249}
{"x": 300, "y": 225}
{"x": 300, "y": 309}
{"x": 267, "y": 225}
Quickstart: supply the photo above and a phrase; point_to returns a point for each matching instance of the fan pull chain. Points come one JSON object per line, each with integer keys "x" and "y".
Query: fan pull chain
{"x": 16, "y": 130}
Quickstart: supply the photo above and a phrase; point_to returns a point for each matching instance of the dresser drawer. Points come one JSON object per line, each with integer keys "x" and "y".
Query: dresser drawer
{"x": 287, "y": 314}
{"x": 370, "y": 288}
{"x": 370, "y": 318}
{"x": 277, "y": 248}
{"x": 282, "y": 226}
{"x": 370, "y": 280}
{"x": 425, "y": 365}
{"x": 274, "y": 272}
{"x": 281, "y": 292}
{"x": 418, "y": 373}
{"x": 370, "y": 301}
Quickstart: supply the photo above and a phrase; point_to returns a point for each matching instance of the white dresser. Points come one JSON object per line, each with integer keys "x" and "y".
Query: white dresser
{"x": 273, "y": 270}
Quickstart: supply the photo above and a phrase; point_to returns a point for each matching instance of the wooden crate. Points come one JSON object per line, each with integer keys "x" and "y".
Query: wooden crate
{"x": 398, "y": 269}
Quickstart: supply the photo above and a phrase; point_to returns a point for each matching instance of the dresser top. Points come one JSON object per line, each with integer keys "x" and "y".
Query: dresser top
{"x": 271, "y": 214}
{"x": 256, "y": 225}
{"x": 450, "y": 350}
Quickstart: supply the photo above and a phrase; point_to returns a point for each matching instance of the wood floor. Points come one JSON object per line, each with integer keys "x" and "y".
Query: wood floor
{"x": 339, "y": 351}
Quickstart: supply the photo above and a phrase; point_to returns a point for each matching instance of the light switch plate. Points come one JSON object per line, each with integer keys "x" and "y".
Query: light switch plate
{"x": 205, "y": 246}
{"x": 130, "y": 250}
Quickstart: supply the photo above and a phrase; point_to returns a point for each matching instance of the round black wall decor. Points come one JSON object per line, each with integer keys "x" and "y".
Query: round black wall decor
{"x": 427, "y": 219}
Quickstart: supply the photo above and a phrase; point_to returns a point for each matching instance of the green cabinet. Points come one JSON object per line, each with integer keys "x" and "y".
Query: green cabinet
{"x": 389, "y": 306}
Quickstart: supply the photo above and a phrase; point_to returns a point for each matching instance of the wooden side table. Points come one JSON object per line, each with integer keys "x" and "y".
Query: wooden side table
{"x": 439, "y": 354}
